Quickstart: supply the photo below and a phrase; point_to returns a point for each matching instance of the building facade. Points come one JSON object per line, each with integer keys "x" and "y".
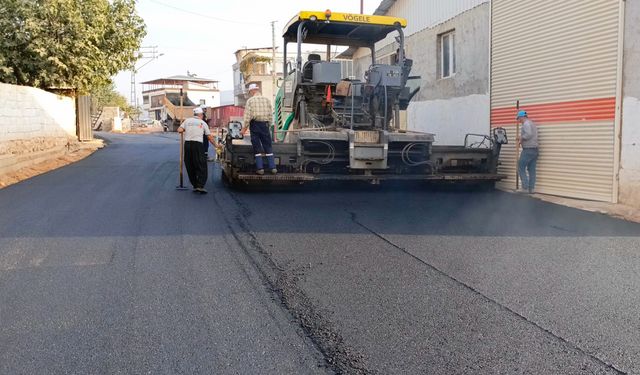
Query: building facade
{"x": 449, "y": 43}
{"x": 255, "y": 65}
{"x": 161, "y": 97}
{"x": 573, "y": 65}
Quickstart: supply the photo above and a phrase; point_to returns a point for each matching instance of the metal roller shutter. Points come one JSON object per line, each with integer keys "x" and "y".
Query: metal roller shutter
{"x": 561, "y": 60}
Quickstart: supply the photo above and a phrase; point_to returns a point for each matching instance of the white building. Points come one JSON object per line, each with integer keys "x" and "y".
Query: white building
{"x": 255, "y": 65}
{"x": 161, "y": 97}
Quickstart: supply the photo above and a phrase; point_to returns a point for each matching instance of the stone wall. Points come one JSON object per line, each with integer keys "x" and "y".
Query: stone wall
{"x": 33, "y": 120}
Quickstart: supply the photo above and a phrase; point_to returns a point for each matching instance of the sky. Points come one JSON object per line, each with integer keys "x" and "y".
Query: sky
{"x": 200, "y": 36}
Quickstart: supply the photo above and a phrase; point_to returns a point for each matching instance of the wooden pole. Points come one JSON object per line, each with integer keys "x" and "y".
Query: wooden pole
{"x": 181, "y": 103}
{"x": 181, "y": 186}
{"x": 274, "y": 78}
{"x": 517, "y": 145}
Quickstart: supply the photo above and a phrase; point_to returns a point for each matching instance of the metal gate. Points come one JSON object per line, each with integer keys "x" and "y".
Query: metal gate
{"x": 83, "y": 118}
{"x": 562, "y": 61}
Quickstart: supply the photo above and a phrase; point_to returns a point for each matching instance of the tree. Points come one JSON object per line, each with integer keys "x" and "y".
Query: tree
{"x": 77, "y": 44}
{"x": 108, "y": 96}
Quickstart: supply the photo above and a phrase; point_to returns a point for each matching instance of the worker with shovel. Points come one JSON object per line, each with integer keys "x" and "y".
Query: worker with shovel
{"x": 194, "y": 130}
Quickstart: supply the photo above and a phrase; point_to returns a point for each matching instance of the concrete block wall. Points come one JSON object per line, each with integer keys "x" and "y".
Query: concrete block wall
{"x": 33, "y": 120}
{"x": 452, "y": 107}
{"x": 629, "y": 178}
{"x": 111, "y": 121}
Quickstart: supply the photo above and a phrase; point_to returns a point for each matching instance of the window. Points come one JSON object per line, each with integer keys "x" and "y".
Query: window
{"x": 145, "y": 99}
{"x": 447, "y": 54}
{"x": 157, "y": 101}
{"x": 203, "y": 101}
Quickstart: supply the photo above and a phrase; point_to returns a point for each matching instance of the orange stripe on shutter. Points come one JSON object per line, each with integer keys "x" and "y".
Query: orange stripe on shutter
{"x": 549, "y": 113}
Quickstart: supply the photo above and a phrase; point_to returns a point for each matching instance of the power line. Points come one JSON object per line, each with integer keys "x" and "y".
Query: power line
{"x": 153, "y": 51}
{"x": 203, "y": 15}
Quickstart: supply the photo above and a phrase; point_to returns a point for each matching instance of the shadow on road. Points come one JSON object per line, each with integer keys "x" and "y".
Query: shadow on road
{"x": 128, "y": 189}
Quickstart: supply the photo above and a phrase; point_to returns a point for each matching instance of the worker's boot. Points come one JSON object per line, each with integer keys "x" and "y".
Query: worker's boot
{"x": 272, "y": 163}
{"x": 259, "y": 164}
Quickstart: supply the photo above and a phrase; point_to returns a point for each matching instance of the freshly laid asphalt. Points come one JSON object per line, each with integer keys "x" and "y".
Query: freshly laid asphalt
{"x": 106, "y": 268}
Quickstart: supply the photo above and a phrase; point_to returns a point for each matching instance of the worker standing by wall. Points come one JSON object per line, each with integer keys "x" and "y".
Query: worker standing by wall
{"x": 257, "y": 115}
{"x": 528, "y": 139}
{"x": 194, "y": 130}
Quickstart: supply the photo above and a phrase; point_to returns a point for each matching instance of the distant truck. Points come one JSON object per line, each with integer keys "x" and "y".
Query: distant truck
{"x": 221, "y": 116}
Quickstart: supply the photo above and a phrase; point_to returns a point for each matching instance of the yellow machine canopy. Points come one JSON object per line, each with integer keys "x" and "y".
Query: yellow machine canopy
{"x": 342, "y": 29}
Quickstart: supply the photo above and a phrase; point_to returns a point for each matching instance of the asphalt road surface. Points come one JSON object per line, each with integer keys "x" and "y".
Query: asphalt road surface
{"x": 106, "y": 268}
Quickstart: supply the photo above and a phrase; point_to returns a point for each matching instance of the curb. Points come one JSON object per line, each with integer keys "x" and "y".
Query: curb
{"x": 615, "y": 210}
{"x": 14, "y": 163}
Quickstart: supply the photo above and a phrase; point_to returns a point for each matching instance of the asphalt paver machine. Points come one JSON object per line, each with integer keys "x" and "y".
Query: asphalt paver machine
{"x": 328, "y": 126}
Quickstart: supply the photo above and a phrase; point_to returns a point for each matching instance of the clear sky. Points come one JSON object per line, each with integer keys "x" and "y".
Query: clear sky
{"x": 200, "y": 36}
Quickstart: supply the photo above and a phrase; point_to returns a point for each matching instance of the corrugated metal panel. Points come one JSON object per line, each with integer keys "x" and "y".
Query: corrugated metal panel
{"x": 83, "y": 118}
{"x": 428, "y": 13}
{"x": 573, "y": 162}
{"x": 561, "y": 62}
{"x": 424, "y": 14}
{"x": 220, "y": 116}
{"x": 384, "y": 7}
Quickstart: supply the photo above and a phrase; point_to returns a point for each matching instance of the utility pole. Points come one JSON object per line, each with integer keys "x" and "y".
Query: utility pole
{"x": 361, "y": 6}
{"x": 133, "y": 86}
{"x": 149, "y": 53}
{"x": 274, "y": 76}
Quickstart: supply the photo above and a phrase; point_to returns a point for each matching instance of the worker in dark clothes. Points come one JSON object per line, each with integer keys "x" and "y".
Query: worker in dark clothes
{"x": 205, "y": 139}
{"x": 194, "y": 130}
{"x": 258, "y": 113}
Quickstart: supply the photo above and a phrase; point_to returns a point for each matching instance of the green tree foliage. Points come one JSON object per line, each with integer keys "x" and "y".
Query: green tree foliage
{"x": 108, "y": 96}
{"x": 76, "y": 44}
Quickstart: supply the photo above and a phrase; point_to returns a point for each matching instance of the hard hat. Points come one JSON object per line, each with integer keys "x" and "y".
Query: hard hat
{"x": 197, "y": 111}
{"x": 253, "y": 86}
{"x": 521, "y": 114}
